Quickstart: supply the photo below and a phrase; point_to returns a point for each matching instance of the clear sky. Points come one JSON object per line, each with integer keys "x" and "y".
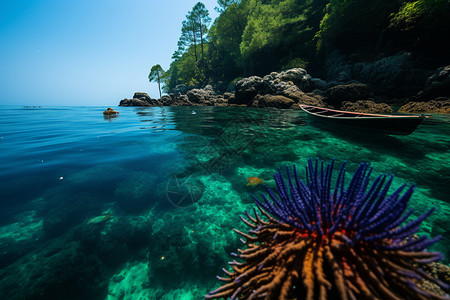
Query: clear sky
{"x": 86, "y": 52}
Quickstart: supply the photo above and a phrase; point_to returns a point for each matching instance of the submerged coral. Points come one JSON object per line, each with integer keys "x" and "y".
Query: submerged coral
{"x": 314, "y": 242}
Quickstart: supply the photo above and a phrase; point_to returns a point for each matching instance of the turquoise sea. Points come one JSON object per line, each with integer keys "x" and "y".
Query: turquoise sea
{"x": 142, "y": 206}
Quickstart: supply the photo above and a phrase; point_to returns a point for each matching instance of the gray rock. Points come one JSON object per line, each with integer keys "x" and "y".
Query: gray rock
{"x": 298, "y": 76}
{"x": 205, "y": 96}
{"x": 247, "y": 89}
{"x": 319, "y": 84}
{"x": 142, "y": 96}
{"x": 395, "y": 75}
{"x": 367, "y": 106}
{"x": 134, "y": 102}
{"x": 337, "y": 69}
{"x": 346, "y": 92}
{"x": 437, "y": 85}
{"x": 166, "y": 100}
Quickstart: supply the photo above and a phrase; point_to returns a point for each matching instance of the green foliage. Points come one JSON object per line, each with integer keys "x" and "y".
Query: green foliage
{"x": 223, "y": 5}
{"x": 413, "y": 12}
{"x": 156, "y": 74}
{"x": 267, "y": 19}
{"x": 225, "y": 36}
{"x": 193, "y": 31}
{"x": 294, "y": 63}
{"x": 354, "y": 23}
{"x": 255, "y": 37}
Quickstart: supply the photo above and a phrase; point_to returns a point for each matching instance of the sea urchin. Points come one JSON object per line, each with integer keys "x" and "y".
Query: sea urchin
{"x": 313, "y": 242}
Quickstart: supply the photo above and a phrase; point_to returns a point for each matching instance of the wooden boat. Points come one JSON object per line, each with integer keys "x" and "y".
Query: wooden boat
{"x": 402, "y": 124}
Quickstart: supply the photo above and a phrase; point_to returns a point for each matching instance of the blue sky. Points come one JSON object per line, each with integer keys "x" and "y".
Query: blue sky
{"x": 86, "y": 52}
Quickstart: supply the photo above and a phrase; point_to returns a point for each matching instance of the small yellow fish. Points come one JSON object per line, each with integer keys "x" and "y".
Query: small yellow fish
{"x": 254, "y": 181}
{"x": 99, "y": 219}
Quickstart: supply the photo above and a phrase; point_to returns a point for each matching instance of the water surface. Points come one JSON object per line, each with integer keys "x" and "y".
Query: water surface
{"x": 174, "y": 184}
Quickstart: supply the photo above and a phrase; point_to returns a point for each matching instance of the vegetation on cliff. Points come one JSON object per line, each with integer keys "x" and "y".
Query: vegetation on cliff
{"x": 255, "y": 37}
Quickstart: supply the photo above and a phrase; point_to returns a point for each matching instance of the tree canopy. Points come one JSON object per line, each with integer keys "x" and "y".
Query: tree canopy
{"x": 156, "y": 74}
{"x": 256, "y": 37}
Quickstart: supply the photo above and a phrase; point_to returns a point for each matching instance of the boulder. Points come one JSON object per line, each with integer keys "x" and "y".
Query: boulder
{"x": 296, "y": 76}
{"x": 110, "y": 113}
{"x": 439, "y": 106}
{"x": 142, "y": 96}
{"x": 396, "y": 75}
{"x": 290, "y": 90}
{"x": 181, "y": 100}
{"x": 134, "y": 102}
{"x": 166, "y": 100}
{"x": 277, "y": 101}
{"x": 437, "y": 85}
{"x": 346, "y": 92}
{"x": 199, "y": 95}
{"x": 319, "y": 84}
{"x": 247, "y": 89}
{"x": 227, "y": 95}
{"x": 220, "y": 101}
{"x": 367, "y": 106}
{"x": 140, "y": 99}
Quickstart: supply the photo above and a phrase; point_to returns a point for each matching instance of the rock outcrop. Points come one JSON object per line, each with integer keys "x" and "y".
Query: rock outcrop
{"x": 367, "y": 106}
{"x": 438, "y": 106}
{"x": 346, "y": 92}
{"x": 437, "y": 85}
{"x": 395, "y": 76}
{"x": 277, "y": 101}
{"x": 289, "y": 88}
{"x": 139, "y": 99}
{"x": 110, "y": 113}
{"x": 246, "y": 89}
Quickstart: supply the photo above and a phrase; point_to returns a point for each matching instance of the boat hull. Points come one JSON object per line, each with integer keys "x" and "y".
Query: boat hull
{"x": 390, "y": 124}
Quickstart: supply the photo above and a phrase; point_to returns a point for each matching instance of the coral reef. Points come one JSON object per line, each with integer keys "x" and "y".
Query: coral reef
{"x": 313, "y": 242}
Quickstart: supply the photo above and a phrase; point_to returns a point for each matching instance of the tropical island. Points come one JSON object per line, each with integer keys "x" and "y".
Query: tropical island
{"x": 352, "y": 55}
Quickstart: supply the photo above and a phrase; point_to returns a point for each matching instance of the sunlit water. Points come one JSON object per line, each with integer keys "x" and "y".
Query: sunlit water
{"x": 168, "y": 185}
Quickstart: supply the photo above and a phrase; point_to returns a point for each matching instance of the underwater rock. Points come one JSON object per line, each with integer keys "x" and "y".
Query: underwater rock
{"x": 87, "y": 180}
{"x": 367, "y": 106}
{"x": 182, "y": 250}
{"x": 63, "y": 270}
{"x": 62, "y": 209}
{"x": 136, "y": 192}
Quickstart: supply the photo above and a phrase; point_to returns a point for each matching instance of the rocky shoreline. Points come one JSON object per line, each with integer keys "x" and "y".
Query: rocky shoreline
{"x": 373, "y": 94}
